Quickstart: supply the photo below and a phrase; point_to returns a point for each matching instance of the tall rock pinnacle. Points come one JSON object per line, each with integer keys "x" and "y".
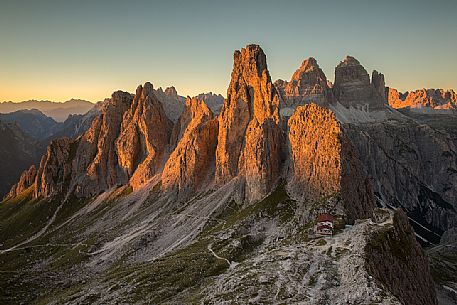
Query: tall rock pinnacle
{"x": 353, "y": 88}
{"x": 144, "y": 136}
{"x": 249, "y": 136}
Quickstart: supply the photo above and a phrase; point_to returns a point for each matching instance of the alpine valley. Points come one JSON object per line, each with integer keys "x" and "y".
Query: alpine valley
{"x": 153, "y": 198}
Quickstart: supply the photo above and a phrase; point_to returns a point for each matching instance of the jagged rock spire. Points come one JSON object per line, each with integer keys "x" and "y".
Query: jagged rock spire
{"x": 249, "y": 135}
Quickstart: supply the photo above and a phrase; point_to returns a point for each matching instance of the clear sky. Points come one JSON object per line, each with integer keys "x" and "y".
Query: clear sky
{"x": 57, "y": 50}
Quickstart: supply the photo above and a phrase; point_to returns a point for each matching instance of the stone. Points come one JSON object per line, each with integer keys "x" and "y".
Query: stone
{"x": 250, "y": 114}
{"x": 437, "y": 99}
{"x": 191, "y": 164}
{"x": 352, "y": 87}
{"x": 26, "y": 180}
{"x": 308, "y": 84}
{"x": 324, "y": 162}
{"x": 144, "y": 137}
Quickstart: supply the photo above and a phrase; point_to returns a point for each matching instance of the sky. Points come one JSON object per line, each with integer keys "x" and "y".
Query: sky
{"x": 57, "y": 50}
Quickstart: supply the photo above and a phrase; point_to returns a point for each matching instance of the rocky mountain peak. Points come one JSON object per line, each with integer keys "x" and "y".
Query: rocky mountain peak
{"x": 251, "y": 82}
{"x": 349, "y": 61}
{"x": 309, "y": 64}
{"x": 144, "y": 136}
{"x": 171, "y": 91}
{"x": 308, "y": 84}
{"x": 352, "y": 87}
{"x": 249, "y": 135}
{"x": 349, "y": 71}
{"x": 194, "y": 110}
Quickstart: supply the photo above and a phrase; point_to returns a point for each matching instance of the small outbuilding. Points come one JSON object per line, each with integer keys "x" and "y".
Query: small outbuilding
{"x": 324, "y": 225}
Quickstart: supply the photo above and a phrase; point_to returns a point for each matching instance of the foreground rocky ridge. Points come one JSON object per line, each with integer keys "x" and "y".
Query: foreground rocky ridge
{"x": 167, "y": 195}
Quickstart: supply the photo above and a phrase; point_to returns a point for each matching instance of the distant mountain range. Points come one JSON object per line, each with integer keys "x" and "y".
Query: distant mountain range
{"x": 17, "y": 152}
{"x": 58, "y": 111}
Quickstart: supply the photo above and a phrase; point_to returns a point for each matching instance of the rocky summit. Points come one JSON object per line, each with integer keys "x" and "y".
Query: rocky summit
{"x": 292, "y": 192}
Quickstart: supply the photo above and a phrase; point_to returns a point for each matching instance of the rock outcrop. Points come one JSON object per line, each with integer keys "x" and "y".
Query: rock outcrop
{"x": 96, "y": 165}
{"x": 249, "y": 140}
{"x": 213, "y": 101}
{"x": 352, "y": 87}
{"x": 144, "y": 135}
{"x": 424, "y": 98}
{"x": 54, "y": 174}
{"x": 192, "y": 162}
{"x": 308, "y": 84}
{"x": 173, "y": 104}
{"x": 26, "y": 180}
{"x": 380, "y": 84}
{"x": 396, "y": 260}
{"x": 324, "y": 162}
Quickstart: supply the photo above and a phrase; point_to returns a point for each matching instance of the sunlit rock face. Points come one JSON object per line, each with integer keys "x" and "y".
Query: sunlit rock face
{"x": 324, "y": 163}
{"x": 308, "y": 84}
{"x": 95, "y": 164}
{"x": 191, "y": 164}
{"x": 55, "y": 169}
{"x": 353, "y": 88}
{"x": 126, "y": 143}
{"x": 424, "y": 98}
{"x": 144, "y": 136}
{"x": 249, "y": 140}
{"x": 25, "y": 181}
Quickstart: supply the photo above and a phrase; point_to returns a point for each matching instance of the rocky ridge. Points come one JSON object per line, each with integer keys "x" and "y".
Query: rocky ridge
{"x": 436, "y": 99}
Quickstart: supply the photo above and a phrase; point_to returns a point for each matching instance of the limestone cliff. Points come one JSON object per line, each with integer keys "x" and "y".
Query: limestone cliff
{"x": 308, "y": 84}
{"x": 396, "y": 260}
{"x": 353, "y": 88}
{"x": 324, "y": 162}
{"x": 54, "y": 173}
{"x": 25, "y": 181}
{"x": 126, "y": 143}
{"x": 144, "y": 136}
{"x": 429, "y": 98}
{"x": 249, "y": 140}
{"x": 412, "y": 166}
{"x": 192, "y": 162}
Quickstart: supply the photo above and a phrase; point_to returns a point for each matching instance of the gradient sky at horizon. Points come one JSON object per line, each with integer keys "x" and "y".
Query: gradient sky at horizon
{"x": 57, "y": 50}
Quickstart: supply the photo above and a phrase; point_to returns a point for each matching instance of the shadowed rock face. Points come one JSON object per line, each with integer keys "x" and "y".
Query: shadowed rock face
{"x": 431, "y": 98}
{"x": 353, "y": 88}
{"x": 396, "y": 259}
{"x": 324, "y": 162}
{"x": 249, "y": 140}
{"x": 412, "y": 166}
{"x": 308, "y": 84}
